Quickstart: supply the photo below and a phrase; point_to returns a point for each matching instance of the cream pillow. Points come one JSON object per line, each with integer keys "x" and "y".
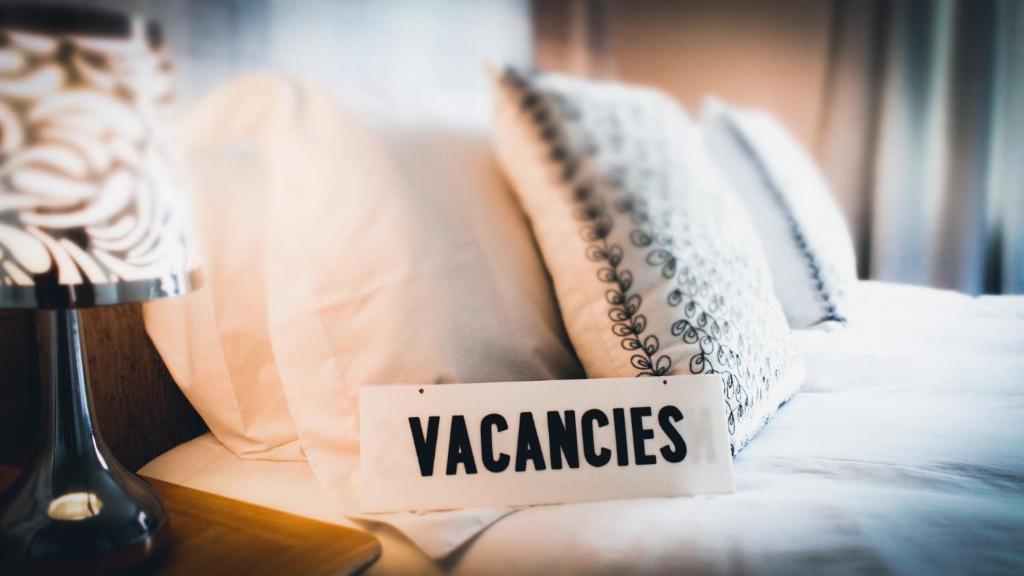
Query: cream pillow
{"x": 654, "y": 259}
{"x": 396, "y": 260}
{"x": 346, "y": 253}
{"x": 801, "y": 227}
{"x": 216, "y": 341}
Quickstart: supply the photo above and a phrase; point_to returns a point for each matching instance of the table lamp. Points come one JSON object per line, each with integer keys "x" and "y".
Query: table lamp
{"x": 90, "y": 215}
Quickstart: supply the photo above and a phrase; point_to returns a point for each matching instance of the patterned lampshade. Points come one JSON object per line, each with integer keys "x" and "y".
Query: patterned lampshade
{"x": 91, "y": 203}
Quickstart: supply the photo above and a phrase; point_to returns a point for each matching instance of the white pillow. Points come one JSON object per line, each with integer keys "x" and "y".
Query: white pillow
{"x": 396, "y": 266}
{"x": 216, "y": 340}
{"x": 654, "y": 259}
{"x": 802, "y": 230}
{"x": 348, "y": 256}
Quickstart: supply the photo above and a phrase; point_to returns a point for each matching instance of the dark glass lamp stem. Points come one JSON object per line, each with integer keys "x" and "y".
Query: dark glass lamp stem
{"x": 75, "y": 509}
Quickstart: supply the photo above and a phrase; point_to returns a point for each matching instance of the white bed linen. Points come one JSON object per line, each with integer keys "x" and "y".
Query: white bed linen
{"x": 904, "y": 454}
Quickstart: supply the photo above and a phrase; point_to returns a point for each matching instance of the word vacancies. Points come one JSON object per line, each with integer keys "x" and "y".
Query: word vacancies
{"x": 546, "y": 442}
{"x": 571, "y": 439}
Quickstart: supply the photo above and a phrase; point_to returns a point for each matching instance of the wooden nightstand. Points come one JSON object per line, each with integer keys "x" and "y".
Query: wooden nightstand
{"x": 210, "y": 534}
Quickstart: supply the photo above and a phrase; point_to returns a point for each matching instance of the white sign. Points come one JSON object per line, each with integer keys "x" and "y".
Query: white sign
{"x": 518, "y": 443}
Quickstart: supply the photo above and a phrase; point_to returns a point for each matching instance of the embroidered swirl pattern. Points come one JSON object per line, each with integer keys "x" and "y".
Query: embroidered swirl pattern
{"x": 592, "y": 212}
{"x": 689, "y": 290}
{"x": 87, "y": 190}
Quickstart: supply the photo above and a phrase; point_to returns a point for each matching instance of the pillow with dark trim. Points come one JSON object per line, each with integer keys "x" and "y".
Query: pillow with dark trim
{"x": 655, "y": 262}
{"x": 801, "y": 228}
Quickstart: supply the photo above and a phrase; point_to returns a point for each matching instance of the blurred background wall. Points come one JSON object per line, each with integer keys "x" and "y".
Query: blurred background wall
{"x": 404, "y": 57}
{"x": 913, "y": 108}
{"x": 771, "y": 55}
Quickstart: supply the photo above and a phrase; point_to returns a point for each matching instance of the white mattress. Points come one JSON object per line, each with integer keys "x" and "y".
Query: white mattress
{"x": 903, "y": 454}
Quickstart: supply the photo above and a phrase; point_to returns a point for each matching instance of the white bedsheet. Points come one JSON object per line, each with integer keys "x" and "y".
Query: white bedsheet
{"x": 904, "y": 454}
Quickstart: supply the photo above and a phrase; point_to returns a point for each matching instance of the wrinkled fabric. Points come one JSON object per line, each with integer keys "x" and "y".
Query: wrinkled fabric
{"x": 348, "y": 252}
{"x": 216, "y": 341}
{"x": 902, "y": 455}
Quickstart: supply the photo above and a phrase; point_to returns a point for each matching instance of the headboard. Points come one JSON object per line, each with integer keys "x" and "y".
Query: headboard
{"x": 139, "y": 409}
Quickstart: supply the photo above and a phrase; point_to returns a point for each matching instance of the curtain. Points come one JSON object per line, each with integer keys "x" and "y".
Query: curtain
{"x": 946, "y": 203}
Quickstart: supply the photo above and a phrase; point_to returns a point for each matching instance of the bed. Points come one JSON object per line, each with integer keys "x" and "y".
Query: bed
{"x": 903, "y": 454}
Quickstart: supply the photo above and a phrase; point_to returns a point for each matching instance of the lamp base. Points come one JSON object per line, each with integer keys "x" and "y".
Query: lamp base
{"x": 105, "y": 526}
{"x": 76, "y": 509}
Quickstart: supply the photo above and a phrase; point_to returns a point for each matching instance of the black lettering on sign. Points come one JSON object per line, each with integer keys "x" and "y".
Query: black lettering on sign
{"x": 621, "y": 448}
{"x": 460, "y": 451}
{"x": 641, "y": 435}
{"x": 593, "y": 457}
{"x": 492, "y": 463}
{"x": 528, "y": 444}
{"x": 667, "y": 417}
{"x": 426, "y": 444}
{"x": 562, "y": 439}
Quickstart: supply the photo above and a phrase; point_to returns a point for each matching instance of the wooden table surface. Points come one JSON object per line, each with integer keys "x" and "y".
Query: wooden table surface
{"x": 210, "y": 534}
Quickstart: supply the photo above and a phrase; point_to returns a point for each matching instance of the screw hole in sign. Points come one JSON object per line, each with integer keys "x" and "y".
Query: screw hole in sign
{"x": 421, "y": 390}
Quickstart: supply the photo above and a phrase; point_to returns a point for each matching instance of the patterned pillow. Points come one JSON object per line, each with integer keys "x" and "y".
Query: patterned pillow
{"x": 654, "y": 259}
{"x": 801, "y": 228}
